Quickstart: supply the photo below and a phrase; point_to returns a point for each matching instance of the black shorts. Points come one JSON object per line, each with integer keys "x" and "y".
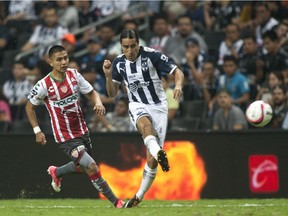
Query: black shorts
{"x": 68, "y": 146}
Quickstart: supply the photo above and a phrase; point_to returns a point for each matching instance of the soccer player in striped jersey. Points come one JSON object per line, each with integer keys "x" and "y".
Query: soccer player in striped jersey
{"x": 59, "y": 90}
{"x": 140, "y": 68}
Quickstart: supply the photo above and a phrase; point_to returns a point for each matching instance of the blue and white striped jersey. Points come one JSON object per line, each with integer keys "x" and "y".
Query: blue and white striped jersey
{"x": 142, "y": 77}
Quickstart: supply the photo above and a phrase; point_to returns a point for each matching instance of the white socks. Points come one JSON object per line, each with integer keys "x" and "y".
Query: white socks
{"x": 147, "y": 180}
{"x": 151, "y": 144}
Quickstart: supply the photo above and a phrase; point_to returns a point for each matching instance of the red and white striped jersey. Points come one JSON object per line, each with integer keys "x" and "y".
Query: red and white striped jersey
{"x": 62, "y": 102}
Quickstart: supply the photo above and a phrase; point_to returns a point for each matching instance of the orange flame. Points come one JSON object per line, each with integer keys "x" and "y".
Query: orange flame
{"x": 184, "y": 181}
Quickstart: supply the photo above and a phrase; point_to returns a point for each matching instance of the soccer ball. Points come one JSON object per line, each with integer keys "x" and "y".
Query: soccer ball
{"x": 259, "y": 113}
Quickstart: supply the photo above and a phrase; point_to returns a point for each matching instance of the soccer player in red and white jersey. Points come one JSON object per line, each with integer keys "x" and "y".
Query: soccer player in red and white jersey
{"x": 60, "y": 92}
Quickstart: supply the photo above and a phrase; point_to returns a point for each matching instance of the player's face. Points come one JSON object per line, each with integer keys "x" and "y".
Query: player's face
{"x": 130, "y": 48}
{"x": 59, "y": 61}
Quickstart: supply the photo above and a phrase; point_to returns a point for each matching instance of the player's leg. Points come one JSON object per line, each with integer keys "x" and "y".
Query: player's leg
{"x": 94, "y": 174}
{"x": 153, "y": 142}
{"x": 155, "y": 153}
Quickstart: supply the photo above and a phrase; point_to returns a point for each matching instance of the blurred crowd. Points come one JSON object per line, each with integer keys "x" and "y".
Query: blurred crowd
{"x": 231, "y": 53}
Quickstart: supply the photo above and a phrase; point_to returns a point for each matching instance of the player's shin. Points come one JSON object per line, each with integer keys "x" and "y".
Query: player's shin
{"x": 66, "y": 169}
{"x": 147, "y": 180}
{"x": 152, "y": 145}
{"x": 102, "y": 186}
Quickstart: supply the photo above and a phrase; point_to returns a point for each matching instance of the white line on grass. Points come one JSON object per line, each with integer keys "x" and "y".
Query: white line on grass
{"x": 174, "y": 205}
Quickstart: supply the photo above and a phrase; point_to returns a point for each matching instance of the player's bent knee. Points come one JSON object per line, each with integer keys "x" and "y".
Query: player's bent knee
{"x": 86, "y": 161}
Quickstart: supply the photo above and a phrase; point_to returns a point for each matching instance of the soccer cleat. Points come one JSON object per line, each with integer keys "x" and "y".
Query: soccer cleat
{"x": 119, "y": 203}
{"x": 163, "y": 160}
{"x": 56, "y": 182}
{"x": 132, "y": 202}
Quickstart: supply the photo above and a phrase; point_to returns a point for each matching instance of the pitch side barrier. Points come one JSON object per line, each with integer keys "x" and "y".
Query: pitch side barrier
{"x": 206, "y": 165}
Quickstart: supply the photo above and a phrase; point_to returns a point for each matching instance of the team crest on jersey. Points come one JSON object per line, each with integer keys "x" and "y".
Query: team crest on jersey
{"x": 64, "y": 89}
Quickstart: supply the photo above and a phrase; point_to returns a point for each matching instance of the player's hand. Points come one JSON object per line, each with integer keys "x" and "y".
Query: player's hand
{"x": 40, "y": 138}
{"x": 107, "y": 68}
{"x": 177, "y": 94}
{"x": 99, "y": 109}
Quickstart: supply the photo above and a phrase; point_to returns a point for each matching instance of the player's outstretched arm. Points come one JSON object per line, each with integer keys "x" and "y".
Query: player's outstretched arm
{"x": 30, "y": 111}
{"x": 179, "y": 77}
{"x": 112, "y": 88}
{"x": 94, "y": 97}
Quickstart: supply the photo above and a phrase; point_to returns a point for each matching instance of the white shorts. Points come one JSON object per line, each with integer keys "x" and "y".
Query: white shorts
{"x": 157, "y": 113}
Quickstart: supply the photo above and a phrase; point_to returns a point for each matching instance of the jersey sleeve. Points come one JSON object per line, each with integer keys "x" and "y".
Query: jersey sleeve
{"x": 84, "y": 86}
{"x": 116, "y": 76}
{"x": 162, "y": 62}
{"x": 37, "y": 94}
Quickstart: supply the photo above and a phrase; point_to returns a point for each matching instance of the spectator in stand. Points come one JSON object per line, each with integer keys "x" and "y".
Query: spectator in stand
{"x": 106, "y": 33}
{"x": 274, "y": 60}
{"x": 218, "y": 14}
{"x": 175, "y": 45}
{"x": 191, "y": 65}
{"x": 264, "y": 21}
{"x": 282, "y": 33}
{"x": 231, "y": 45}
{"x": 229, "y": 116}
{"x": 4, "y": 38}
{"x": 173, "y": 105}
{"x": 248, "y": 63}
{"x": 116, "y": 121}
{"x": 278, "y": 10}
{"x": 208, "y": 81}
{"x": 86, "y": 15}
{"x": 195, "y": 12}
{"x": 69, "y": 43}
{"x": 21, "y": 10}
{"x": 68, "y": 15}
{"x": 91, "y": 64}
{"x": 17, "y": 90}
{"x": 161, "y": 33}
{"x": 279, "y": 106}
{"x": 235, "y": 82}
{"x": 265, "y": 91}
{"x": 5, "y": 112}
{"x": 110, "y": 7}
{"x": 173, "y": 9}
{"x": 44, "y": 34}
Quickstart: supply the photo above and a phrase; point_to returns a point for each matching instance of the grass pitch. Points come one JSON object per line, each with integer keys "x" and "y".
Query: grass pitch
{"x": 67, "y": 207}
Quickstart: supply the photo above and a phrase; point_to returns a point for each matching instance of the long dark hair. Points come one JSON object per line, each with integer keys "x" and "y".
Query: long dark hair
{"x": 128, "y": 33}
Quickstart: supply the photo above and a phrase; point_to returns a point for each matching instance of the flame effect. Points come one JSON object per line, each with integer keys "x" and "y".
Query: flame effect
{"x": 184, "y": 181}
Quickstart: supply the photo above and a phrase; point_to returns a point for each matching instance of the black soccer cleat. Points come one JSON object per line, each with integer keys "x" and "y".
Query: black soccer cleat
{"x": 132, "y": 202}
{"x": 163, "y": 160}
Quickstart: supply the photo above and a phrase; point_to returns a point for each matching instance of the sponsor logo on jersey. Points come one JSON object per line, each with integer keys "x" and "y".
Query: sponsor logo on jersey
{"x": 263, "y": 172}
{"x": 66, "y": 101}
{"x": 134, "y": 86}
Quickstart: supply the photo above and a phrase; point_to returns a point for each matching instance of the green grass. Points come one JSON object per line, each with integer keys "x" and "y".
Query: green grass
{"x": 81, "y": 207}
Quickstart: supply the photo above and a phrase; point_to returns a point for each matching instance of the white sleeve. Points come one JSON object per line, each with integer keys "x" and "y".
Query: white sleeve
{"x": 84, "y": 86}
{"x": 35, "y": 36}
{"x": 37, "y": 94}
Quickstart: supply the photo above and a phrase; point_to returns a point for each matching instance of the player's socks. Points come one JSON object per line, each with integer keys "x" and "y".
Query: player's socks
{"x": 65, "y": 169}
{"x": 151, "y": 144}
{"x": 102, "y": 186}
{"x": 147, "y": 180}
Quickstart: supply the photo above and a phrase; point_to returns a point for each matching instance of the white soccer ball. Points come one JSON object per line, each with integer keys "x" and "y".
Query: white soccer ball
{"x": 259, "y": 113}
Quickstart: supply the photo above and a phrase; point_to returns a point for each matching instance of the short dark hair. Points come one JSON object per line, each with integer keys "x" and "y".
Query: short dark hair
{"x": 250, "y": 36}
{"x": 224, "y": 90}
{"x": 54, "y": 49}
{"x": 230, "y": 58}
{"x": 281, "y": 86}
{"x": 128, "y": 33}
{"x": 270, "y": 34}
